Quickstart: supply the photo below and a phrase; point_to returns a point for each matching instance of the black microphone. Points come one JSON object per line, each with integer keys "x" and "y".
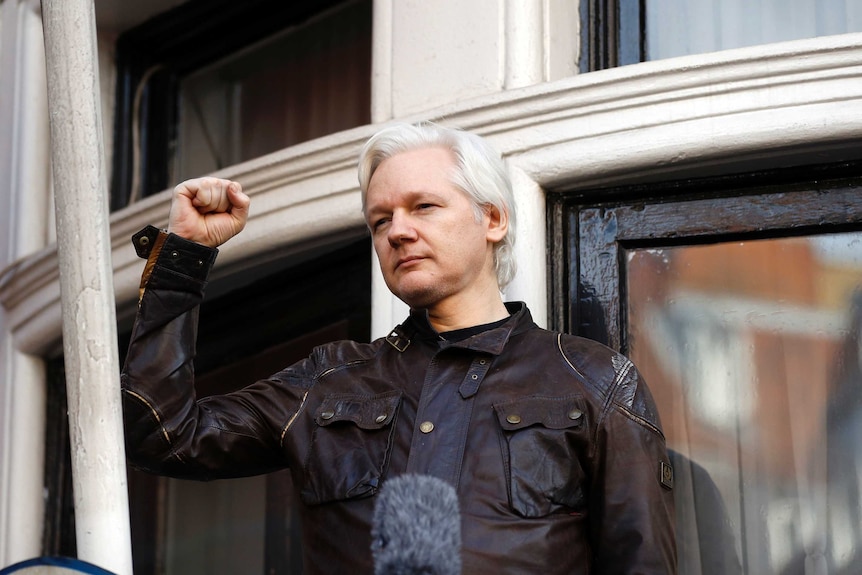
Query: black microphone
{"x": 417, "y": 527}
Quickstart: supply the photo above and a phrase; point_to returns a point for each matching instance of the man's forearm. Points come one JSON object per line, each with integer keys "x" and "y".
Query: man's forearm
{"x": 158, "y": 374}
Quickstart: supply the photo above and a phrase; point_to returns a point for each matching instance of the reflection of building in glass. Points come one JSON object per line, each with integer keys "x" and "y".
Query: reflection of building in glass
{"x": 739, "y": 343}
{"x": 844, "y": 453}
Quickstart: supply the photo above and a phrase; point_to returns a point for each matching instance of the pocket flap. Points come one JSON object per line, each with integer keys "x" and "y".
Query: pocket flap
{"x": 365, "y": 411}
{"x": 550, "y": 412}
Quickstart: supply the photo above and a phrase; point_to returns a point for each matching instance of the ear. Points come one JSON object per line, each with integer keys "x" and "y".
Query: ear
{"x": 497, "y": 222}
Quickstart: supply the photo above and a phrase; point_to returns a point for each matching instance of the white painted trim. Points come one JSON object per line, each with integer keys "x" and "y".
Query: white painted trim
{"x": 22, "y": 535}
{"x": 530, "y": 284}
{"x": 726, "y": 111}
{"x": 661, "y": 118}
{"x": 524, "y": 46}
{"x": 23, "y": 229}
{"x": 388, "y": 310}
{"x": 381, "y": 61}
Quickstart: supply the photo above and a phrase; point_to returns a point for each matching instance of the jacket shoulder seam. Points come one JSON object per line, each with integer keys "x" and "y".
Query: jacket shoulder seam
{"x": 622, "y": 368}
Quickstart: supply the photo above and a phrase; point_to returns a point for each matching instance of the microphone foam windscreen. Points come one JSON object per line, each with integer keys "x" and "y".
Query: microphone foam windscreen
{"x": 417, "y": 527}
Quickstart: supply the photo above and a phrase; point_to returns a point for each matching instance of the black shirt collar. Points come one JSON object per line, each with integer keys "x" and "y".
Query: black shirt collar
{"x": 489, "y": 338}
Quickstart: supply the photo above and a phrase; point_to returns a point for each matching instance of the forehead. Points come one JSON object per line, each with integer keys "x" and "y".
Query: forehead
{"x": 420, "y": 170}
{"x": 413, "y": 167}
{"x": 428, "y": 163}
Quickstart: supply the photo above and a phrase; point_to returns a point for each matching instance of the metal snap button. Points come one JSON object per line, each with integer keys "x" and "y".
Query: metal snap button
{"x": 144, "y": 240}
{"x": 513, "y": 419}
{"x": 327, "y": 414}
{"x": 426, "y": 427}
{"x": 380, "y": 418}
{"x": 575, "y": 414}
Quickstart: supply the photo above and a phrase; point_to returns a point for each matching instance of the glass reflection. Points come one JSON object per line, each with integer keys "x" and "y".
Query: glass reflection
{"x": 752, "y": 351}
{"x": 679, "y": 27}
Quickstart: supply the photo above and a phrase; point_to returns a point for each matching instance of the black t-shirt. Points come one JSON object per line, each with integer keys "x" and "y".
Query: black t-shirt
{"x": 465, "y": 332}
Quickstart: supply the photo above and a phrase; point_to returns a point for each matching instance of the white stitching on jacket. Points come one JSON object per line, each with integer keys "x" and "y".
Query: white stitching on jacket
{"x": 292, "y": 419}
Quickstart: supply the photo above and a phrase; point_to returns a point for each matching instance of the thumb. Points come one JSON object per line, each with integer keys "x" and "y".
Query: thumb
{"x": 239, "y": 205}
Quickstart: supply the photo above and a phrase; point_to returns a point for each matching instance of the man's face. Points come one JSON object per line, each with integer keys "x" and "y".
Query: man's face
{"x": 430, "y": 246}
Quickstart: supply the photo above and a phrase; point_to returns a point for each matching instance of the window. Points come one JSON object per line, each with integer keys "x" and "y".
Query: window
{"x": 213, "y": 83}
{"x": 739, "y": 300}
{"x": 309, "y": 81}
{"x": 621, "y": 32}
{"x": 611, "y": 33}
{"x": 680, "y": 27}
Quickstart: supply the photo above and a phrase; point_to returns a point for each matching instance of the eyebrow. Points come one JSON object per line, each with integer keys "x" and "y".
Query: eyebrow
{"x": 412, "y": 196}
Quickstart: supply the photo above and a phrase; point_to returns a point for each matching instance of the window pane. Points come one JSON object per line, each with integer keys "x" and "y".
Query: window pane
{"x": 215, "y": 527}
{"x": 752, "y": 351}
{"x": 307, "y": 82}
{"x": 680, "y": 27}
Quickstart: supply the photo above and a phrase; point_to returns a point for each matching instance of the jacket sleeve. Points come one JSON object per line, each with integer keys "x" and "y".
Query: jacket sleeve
{"x": 631, "y": 501}
{"x": 168, "y": 430}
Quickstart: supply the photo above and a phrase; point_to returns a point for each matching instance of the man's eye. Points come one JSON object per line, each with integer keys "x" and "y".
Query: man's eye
{"x": 425, "y": 206}
{"x": 378, "y": 223}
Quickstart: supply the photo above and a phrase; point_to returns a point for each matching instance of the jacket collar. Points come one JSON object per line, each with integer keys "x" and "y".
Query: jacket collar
{"x": 491, "y": 341}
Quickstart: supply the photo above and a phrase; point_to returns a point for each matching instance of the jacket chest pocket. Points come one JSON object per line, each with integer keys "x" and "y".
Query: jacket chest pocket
{"x": 350, "y": 446}
{"x": 542, "y": 438}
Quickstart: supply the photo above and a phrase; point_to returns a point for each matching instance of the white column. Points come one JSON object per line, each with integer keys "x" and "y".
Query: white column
{"x": 24, "y": 193}
{"x": 387, "y": 310}
{"x": 562, "y": 39}
{"x": 531, "y": 253}
{"x": 381, "y": 62}
{"x": 86, "y": 286}
{"x": 444, "y": 51}
{"x": 26, "y": 456}
{"x": 524, "y": 43}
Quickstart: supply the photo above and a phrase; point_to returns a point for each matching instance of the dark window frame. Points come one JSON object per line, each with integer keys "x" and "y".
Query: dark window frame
{"x": 613, "y": 33}
{"x": 58, "y": 531}
{"x": 591, "y": 230}
{"x": 167, "y": 48}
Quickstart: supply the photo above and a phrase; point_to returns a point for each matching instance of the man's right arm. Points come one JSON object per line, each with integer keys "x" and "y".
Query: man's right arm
{"x": 158, "y": 372}
{"x": 168, "y": 430}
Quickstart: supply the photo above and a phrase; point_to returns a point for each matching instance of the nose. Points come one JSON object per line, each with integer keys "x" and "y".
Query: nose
{"x": 400, "y": 230}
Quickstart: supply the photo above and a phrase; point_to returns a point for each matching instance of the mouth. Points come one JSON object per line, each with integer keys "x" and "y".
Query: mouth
{"x": 407, "y": 261}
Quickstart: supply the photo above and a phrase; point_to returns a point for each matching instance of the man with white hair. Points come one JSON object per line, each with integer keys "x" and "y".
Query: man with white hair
{"x": 552, "y": 442}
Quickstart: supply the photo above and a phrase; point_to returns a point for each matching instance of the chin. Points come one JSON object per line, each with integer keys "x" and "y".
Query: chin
{"x": 418, "y": 296}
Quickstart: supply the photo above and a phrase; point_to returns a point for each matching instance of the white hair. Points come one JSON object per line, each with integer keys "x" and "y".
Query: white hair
{"x": 480, "y": 174}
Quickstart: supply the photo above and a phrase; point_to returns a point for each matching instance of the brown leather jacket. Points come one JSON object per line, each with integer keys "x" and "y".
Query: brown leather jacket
{"x": 552, "y": 441}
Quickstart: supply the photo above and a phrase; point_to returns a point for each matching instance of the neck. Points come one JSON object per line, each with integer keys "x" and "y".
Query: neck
{"x": 450, "y": 315}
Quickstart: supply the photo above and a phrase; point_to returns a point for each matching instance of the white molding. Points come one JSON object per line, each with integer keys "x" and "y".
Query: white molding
{"x": 726, "y": 111}
{"x": 301, "y": 195}
{"x": 669, "y": 113}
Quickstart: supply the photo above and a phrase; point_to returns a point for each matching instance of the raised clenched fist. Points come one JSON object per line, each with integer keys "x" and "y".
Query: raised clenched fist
{"x": 208, "y": 210}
